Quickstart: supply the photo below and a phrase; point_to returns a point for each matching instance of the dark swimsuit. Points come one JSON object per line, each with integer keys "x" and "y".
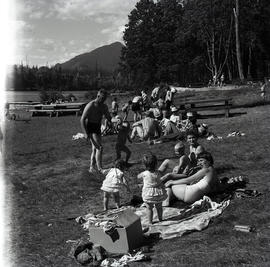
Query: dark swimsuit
{"x": 94, "y": 128}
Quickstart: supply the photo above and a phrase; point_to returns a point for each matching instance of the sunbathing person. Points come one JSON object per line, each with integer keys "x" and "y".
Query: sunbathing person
{"x": 192, "y": 188}
{"x": 179, "y": 165}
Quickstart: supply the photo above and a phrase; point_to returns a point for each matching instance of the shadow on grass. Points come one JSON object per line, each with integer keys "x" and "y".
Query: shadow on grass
{"x": 253, "y": 104}
{"x": 224, "y": 168}
{"x": 91, "y": 179}
{"x": 151, "y": 240}
{"x": 207, "y": 116}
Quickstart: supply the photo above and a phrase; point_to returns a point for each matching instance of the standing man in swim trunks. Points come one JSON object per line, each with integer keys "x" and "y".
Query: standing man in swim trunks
{"x": 91, "y": 124}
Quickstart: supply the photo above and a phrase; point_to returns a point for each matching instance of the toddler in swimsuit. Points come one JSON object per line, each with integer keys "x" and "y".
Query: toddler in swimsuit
{"x": 153, "y": 191}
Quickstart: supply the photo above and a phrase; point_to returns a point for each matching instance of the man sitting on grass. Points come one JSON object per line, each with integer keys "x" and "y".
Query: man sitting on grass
{"x": 146, "y": 129}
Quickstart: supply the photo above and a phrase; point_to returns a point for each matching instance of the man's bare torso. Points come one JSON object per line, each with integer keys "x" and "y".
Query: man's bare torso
{"x": 95, "y": 111}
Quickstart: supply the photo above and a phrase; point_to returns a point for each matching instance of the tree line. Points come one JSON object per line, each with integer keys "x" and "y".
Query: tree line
{"x": 26, "y": 78}
{"x": 192, "y": 41}
{"x": 181, "y": 42}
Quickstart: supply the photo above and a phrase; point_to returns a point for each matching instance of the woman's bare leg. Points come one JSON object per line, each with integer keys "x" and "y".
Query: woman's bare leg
{"x": 179, "y": 191}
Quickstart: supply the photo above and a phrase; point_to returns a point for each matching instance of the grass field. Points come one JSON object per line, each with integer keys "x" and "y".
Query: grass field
{"x": 47, "y": 182}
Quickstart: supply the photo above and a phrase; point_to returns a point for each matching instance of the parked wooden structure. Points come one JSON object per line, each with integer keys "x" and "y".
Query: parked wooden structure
{"x": 223, "y": 104}
{"x": 15, "y": 110}
{"x": 58, "y": 109}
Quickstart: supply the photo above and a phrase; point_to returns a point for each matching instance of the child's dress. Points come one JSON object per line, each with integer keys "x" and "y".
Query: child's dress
{"x": 113, "y": 181}
{"x": 153, "y": 190}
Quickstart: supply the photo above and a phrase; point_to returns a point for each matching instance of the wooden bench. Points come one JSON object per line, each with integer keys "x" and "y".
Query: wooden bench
{"x": 56, "y": 109}
{"x": 205, "y": 105}
{"x": 67, "y": 110}
{"x": 51, "y": 112}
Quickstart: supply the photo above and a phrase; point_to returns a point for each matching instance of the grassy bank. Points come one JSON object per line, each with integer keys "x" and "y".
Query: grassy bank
{"x": 47, "y": 181}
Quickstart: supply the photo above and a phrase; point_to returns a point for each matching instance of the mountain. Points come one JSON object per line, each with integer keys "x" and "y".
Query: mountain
{"x": 104, "y": 58}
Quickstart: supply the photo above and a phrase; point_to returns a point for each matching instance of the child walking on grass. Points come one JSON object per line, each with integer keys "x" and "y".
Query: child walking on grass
{"x": 123, "y": 129}
{"x": 113, "y": 183}
{"x": 153, "y": 191}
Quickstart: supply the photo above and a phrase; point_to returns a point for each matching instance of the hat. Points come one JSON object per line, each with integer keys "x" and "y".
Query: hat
{"x": 173, "y": 109}
{"x": 204, "y": 125}
{"x": 190, "y": 114}
{"x": 119, "y": 118}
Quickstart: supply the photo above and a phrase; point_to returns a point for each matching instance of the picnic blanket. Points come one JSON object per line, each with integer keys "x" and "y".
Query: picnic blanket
{"x": 177, "y": 222}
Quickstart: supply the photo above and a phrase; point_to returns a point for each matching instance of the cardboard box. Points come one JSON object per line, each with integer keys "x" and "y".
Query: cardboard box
{"x": 122, "y": 239}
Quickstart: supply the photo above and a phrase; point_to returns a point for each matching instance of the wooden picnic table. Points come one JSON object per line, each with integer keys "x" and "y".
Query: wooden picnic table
{"x": 23, "y": 103}
{"x": 51, "y": 109}
{"x": 207, "y": 104}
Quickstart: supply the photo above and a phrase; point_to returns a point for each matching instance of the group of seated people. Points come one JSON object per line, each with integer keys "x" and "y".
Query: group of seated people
{"x": 189, "y": 177}
{"x": 152, "y": 127}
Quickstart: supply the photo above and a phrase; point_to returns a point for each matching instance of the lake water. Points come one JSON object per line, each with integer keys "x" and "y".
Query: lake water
{"x": 22, "y": 96}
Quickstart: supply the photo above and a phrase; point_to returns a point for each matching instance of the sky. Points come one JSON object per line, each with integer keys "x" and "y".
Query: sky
{"x": 47, "y": 32}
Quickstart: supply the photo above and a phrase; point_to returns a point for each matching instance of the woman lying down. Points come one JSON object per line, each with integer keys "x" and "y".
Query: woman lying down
{"x": 192, "y": 188}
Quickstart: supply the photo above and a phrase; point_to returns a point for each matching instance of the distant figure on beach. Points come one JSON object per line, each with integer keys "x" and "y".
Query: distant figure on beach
{"x": 264, "y": 88}
{"x": 221, "y": 80}
{"x": 115, "y": 107}
{"x": 214, "y": 80}
{"x": 91, "y": 125}
{"x": 126, "y": 108}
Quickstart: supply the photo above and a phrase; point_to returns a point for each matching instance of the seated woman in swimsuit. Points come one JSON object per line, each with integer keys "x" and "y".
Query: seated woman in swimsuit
{"x": 192, "y": 188}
